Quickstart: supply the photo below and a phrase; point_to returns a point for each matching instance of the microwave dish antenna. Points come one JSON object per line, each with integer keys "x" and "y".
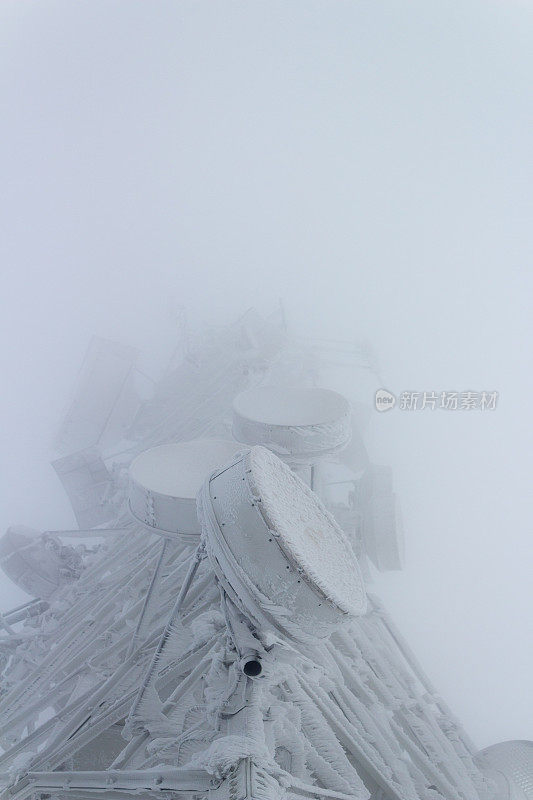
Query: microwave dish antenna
{"x": 165, "y": 480}
{"x": 299, "y": 422}
{"x": 275, "y": 549}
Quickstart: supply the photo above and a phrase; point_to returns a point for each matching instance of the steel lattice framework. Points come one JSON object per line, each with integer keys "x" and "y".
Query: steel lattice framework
{"x": 130, "y": 676}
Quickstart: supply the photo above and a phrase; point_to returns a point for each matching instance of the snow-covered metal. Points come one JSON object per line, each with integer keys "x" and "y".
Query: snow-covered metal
{"x": 104, "y": 401}
{"x": 297, "y": 422}
{"x": 382, "y": 528}
{"x": 37, "y": 562}
{"x": 165, "y": 480}
{"x": 259, "y": 671}
{"x": 513, "y": 765}
{"x": 90, "y": 486}
{"x": 276, "y": 551}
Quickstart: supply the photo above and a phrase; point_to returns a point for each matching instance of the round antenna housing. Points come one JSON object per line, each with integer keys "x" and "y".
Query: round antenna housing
{"x": 294, "y": 422}
{"x": 164, "y": 482}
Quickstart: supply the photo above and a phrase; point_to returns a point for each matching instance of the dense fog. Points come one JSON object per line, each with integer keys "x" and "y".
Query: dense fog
{"x": 369, "y": 164}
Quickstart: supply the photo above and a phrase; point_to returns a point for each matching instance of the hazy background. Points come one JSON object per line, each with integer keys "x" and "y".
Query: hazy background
{"x": 370, "y": 163}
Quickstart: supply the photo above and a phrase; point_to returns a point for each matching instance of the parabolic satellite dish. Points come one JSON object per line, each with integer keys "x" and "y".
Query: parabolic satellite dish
{"x": 296, "y": 422}
{"x": 276, "y": 550}
{"x": 165, "y": 480}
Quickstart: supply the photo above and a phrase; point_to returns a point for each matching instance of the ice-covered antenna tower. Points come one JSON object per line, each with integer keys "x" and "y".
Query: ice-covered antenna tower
{"x": 208, "y": 631}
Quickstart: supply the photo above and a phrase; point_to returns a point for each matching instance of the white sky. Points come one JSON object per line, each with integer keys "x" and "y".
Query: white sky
{"x": 370, "y": 163}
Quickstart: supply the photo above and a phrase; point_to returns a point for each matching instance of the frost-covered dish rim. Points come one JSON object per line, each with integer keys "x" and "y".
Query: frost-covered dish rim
{"x": 293, "y": 512}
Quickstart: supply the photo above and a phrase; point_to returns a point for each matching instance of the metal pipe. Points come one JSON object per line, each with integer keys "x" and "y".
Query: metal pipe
{"x": 149, "y": 593}
{"x": 199, "y": 555}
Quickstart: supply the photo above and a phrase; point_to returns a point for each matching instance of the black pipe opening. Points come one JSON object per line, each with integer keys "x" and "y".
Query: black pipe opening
{"x": 252, "y": 668}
